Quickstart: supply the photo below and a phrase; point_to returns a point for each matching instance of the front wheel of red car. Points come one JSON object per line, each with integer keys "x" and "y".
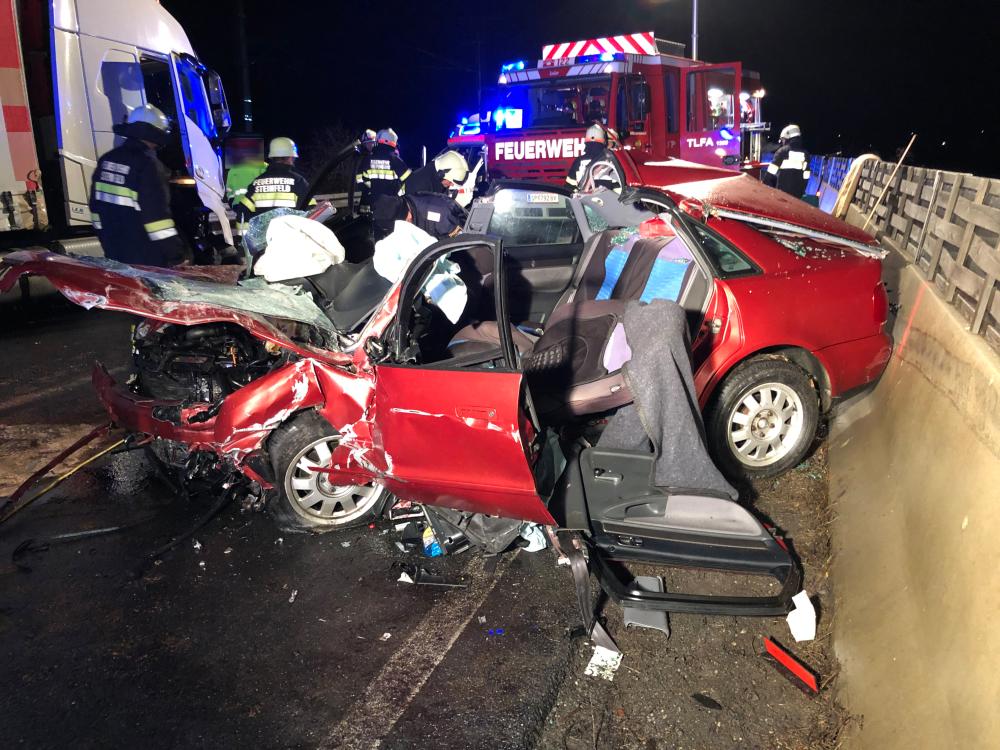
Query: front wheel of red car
{"x": 306, "y": 499}
{"x": 763, "y": 418}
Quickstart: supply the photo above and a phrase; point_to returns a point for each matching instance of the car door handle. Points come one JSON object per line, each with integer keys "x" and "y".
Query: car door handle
{"x": 476, "y": 412}
{"x": 607, "y": 476}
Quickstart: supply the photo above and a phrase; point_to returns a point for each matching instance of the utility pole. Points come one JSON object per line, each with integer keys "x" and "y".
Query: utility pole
{"x": 694, "y": 29}
{"x": 241, "y": 27}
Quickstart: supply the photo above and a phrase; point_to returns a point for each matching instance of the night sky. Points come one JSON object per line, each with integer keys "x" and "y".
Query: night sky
{"x": 855, "y": 75}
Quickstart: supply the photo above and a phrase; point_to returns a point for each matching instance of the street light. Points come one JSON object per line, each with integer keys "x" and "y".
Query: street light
{"x": 694, "y": 29}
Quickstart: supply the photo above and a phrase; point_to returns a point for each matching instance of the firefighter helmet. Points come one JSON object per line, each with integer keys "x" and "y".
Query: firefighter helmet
{"x": 596, "y": 133}
{"x": 368, "y": 136}
{"x": 150, "y": 115}
{"x": 452, "y": 166}
{"x": 387, "y": 136}
{"x": 282, "y": 146}
{"x": 790, "y": 131}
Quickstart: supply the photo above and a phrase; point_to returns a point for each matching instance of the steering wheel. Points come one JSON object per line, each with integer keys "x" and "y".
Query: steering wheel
{"x": 605, "y": 172}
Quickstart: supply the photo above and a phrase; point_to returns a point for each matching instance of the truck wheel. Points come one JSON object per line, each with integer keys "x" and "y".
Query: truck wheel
{"x": 763, "y": 418}
{"x": 306, "y": 500}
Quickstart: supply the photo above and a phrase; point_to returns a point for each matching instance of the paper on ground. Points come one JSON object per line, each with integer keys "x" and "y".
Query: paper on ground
{"x": 604, "y": 663}
{"x": 802, "y": 619}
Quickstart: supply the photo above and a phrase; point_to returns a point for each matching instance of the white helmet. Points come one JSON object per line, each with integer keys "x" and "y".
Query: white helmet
{"x": 368, "y": 136}
{"x": 282, "y": 147}
{"x": 596, "y": 133}
{"x": 150, "y": 115}
{"x": 388, "y": 137}
{"x": 790, "y": 131}
{"x": 453, "y": 165}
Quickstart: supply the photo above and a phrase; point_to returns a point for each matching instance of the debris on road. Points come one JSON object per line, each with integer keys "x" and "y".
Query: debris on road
{"x": 782, "y": 657}
{"x": 431, "y": 546}
{"x": 385, "y": 636}
{"x": 647, "y": 618}
{"x": 196, "y": 544}
{"x": 496, "y": 632}
{"x": 345, "y": 544}
{"x": 604, "y": 663}
{"x": 802, "y": 619}
{"x": 291, "y": 599}
{"x": 534, "y": 536}
{"x": 410, "y": 573}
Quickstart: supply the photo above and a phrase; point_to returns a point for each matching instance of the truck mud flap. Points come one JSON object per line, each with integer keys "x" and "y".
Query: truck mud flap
{"x": 633, "y": 522}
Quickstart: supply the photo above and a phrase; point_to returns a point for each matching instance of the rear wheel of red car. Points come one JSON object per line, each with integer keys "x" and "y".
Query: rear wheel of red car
{"x": 307, "y": 500}
{"x": 763, "y": 419}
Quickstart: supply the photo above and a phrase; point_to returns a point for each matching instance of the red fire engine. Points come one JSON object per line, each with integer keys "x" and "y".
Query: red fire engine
{"x": 661, "y": 104}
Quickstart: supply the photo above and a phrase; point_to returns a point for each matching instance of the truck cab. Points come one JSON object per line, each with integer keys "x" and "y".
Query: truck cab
{"x": 83, "y": 66}
{"x": 660, "y": 104}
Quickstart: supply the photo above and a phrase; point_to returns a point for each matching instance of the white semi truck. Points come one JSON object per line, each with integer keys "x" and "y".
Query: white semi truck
{"x": 69, "y": 71}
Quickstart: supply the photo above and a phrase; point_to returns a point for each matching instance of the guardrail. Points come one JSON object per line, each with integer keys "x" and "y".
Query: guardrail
{"x": 948, "y": 225}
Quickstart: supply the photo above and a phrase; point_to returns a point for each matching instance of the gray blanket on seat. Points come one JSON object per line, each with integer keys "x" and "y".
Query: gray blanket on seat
{"x": 665, "y": 414}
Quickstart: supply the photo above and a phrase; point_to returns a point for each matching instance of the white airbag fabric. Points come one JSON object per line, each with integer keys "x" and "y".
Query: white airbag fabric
{"x": 298, "y": 247}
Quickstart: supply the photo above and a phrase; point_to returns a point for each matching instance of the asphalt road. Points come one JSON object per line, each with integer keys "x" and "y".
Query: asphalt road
{"x": 256, "y": 638}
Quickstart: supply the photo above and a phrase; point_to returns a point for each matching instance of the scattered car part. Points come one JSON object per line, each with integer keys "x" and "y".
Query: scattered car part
{"x": 61, "y": 478}
{"x": 411, "y": 573}
{"x": 790, "y": 666}
{"x": 802, "y": 620}
{"x": 33, "y": 546}
{"x": 647, "y": 618}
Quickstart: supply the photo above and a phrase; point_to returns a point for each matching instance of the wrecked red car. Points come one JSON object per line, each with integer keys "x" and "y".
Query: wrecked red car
{"x": 329, "y": 397}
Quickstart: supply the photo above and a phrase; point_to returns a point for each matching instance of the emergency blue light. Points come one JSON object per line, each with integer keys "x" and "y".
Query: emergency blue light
{"x": 508, "y": 118}
{"x": 507, "y": 67}
{"x": 465, "y": 120}
{"x": 602, "y": 57}
{"x": 727, "y": 134}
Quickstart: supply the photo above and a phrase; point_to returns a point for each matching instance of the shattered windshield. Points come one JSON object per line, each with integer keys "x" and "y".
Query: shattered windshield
{"x": 252, "y": 295}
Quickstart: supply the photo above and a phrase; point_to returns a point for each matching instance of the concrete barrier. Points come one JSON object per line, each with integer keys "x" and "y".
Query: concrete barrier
{"x": 915, "y": 482}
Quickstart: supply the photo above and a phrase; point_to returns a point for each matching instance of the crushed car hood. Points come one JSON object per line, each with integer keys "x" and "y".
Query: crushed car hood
{"x": 744, "y": 198}
{"x": 184, "y": 296}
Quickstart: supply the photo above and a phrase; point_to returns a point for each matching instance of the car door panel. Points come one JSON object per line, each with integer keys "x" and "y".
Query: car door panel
{"x": 454, "y": 438}
{"x": 536, "y": 282}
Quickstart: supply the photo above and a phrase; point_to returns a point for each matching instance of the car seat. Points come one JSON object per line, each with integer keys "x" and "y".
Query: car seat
{"x": 574, "y": 367}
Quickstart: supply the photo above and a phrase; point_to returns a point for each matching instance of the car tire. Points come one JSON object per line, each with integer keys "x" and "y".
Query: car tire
{"x": 305, "y": 500}
{"x": 763, "y": 418}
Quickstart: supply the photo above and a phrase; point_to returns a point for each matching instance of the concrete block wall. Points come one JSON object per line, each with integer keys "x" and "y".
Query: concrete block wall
{"x": 915, "y": 482}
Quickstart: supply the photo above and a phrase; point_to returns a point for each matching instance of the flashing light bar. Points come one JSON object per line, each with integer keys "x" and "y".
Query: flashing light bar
{"x": 507, "y": 67}
{"x": 642, "y": 43}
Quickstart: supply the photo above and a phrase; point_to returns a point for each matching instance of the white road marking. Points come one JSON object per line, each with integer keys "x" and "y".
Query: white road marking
{"x": 387, "y": 697}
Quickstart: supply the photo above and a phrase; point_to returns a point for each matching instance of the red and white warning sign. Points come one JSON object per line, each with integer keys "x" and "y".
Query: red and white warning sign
{"x": 642, "y": 43}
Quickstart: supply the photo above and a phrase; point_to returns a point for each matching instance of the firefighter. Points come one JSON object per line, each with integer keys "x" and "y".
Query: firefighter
{"x": 789, "y": 169}
{"x": 595, "y": 148}
{"x": 278, "y": 186}
{"x": 444, "y": 173}
{"x": 380, "y": 175}
{"x": 368, "y": 140}
{"x": 130, "y": 195}
{"x": 247, "y": 163}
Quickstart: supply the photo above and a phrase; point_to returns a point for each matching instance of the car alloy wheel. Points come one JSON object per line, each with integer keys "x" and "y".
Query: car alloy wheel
{"x": 315, "y": 497}
{"x": 765, "y": 424}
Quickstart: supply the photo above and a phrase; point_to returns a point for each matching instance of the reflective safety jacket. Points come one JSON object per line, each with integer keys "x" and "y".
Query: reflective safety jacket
{"x": 592, "y": 151}
{"x": 381, "y": 173}
{"x": 278, "y": 186}
{"x": 239, "y": 177}
{"x": 130, "y": 207}
{"x": 789, "y": 169}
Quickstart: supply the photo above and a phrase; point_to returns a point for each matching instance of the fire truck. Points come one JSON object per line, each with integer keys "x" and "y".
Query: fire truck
{"x": 661, "y": 104}
{"x": 72, "y": 69}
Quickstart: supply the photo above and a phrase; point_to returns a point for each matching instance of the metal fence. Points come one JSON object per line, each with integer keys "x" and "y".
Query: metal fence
{"x": 948, "y": 225}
